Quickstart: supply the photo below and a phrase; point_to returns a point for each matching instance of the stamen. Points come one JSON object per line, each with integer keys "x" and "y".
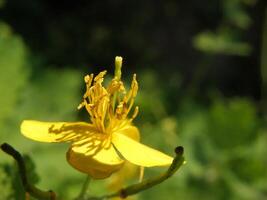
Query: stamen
{"x": 99, "y": 78}
{"x": 134, "y": 86}
{"x": 99, "y": 101}
{"x": 81, "y": 105}
{"x": 136, "y": 110}
{"x": 141, "y": 175}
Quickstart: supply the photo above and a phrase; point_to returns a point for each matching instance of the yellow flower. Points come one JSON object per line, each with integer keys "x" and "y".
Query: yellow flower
{"x": 100, "y": 148}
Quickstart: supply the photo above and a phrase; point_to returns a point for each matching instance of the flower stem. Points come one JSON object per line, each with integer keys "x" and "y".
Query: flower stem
{"x": 84, "y": 190}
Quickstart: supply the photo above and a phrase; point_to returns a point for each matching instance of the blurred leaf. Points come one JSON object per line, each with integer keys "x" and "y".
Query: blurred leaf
{"x": 227, "y": 38}
{"x": 149, "y": 98}
{"x": 224, "y": 150}
{"x": 31, "y": 174}
{"x": 10, "y": 181}
{"x": 235, "y": 13}
{"x": 30, "y": 169}
{"x": 232, "y": 124}
{"x": 55, "y": 94}
{"x": 2, "y": 3}
{"x": 14, "y": 74}
{"x": 6, "y": 189}
{"x": 220, "y": 43}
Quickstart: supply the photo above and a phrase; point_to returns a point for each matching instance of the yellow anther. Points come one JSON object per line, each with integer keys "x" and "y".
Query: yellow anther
{"x": 81, "y": 105}
{"x": 115, "y": 86}
{"x": 99, "y": 78}
{"x": 87, "y": 79}
{"x": 119, "y": 108}
{"x": 134, "y": 86}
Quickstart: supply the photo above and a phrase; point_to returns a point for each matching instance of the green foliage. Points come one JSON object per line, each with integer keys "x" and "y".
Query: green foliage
{"x": 2, "y": 3}
{"x": 232, "y": 124}
{"x": 224, "y": 150}
{"x": 10, "y": 183}
{"x": 227, "y": 38}
{"x": 19, "y": 192}
{"x": 6, "y": 188}
{"x": 152, "y": 103}
{"x": 235, "y": 12}
{"x": 14, "y": 71}
{"x": 29, "y": 92}
{"x": 54, "y": 93}
{"x": 30, "y": 168}
{"x": 221, "y": 42}
{"x": 51, "y": 95}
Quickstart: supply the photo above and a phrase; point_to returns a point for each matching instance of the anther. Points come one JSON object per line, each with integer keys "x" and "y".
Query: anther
{"x": 136, "y": 110}
{"x": 87, "y": 79}
{"x": 81, "y": 105}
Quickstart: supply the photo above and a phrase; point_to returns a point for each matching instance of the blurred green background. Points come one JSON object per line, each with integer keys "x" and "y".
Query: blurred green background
{"x": 202, "y": 70}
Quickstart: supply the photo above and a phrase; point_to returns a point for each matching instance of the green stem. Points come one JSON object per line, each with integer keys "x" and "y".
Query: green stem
{"x": 31, "y": 189}
{"x": 84, "y": 190}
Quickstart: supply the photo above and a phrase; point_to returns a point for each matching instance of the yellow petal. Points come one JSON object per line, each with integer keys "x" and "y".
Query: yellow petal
{"x": 56, "y": 131}
{"x": 94, "y": 159}
{"x": 138, "y": 153}
{"x": 130, "y": 131}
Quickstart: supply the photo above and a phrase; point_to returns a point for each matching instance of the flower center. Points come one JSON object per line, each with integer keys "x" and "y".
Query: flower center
{"x": 109, "y": 107}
